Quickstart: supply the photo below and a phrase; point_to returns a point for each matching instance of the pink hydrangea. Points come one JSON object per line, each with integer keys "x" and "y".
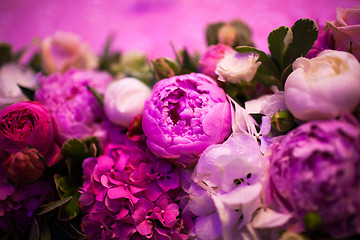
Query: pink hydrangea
{"x": 128, "y": 193}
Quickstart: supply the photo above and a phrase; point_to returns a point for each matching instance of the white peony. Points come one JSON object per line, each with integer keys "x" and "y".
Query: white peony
{"x": 10, "y": 76}
{"x": 235, "y": 67}
{"x": 323, "y": 87}
{"x": 124, "y": 99}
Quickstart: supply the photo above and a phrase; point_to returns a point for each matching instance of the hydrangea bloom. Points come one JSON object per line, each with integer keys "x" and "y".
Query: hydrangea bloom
{"x": 316, "y": 168}
{"x": 72, "y": 104}
{"x": 128, "y": 193}
{"x": 185, "y": 115}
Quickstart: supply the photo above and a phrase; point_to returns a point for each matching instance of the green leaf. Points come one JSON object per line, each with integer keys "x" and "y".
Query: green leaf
{"x": 71, "y": 209}
{"x": 99, "y": 97}
{"x": 70, "y": 230}
{"x": 29, "y": 93}
{"x": 257, "y": 117}
{"x": 93, "y": 145}
{"x": 188, "y": 65}
{"x": 66, "y": 188}
{"x": 34, "y": 231}
{"x": 212, "y": 33}
{"x": 305, "y": 32}
{"x": 51, "y": 206}
{"x": 74, "y": 148}
{"x": 279, "y": 41}
{"x": 44, "y": 232}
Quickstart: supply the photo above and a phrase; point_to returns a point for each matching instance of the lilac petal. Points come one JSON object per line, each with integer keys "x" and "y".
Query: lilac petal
{"x": 241, "y": 195}
{"x": 144, "y": 228}
{"x": 208, "y": 227}
{"x": 267, "y": 218}
{"x": 153, "y": 191}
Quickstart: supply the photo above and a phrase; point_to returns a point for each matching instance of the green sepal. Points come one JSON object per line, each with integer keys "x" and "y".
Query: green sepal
{"x": 98, "y": 96}
{"x": 312, "y": 221}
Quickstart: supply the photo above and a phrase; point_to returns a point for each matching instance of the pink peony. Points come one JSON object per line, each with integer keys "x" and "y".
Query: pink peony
{"x": 75, "y": 108}
{"x": 26, "y": 124}
{"x": 185, "y": 115}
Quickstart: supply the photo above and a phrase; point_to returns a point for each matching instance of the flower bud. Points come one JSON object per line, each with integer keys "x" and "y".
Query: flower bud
{"x": 282, "y": 121}
{"x": 227, "y": 35}
{"x": 24, "y": 166}
{"x": 124, "y": 99}
{"x": 163, "y": 68}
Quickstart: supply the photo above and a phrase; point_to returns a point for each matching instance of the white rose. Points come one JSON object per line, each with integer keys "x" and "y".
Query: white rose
{"x": 235, "y": 67}
{"x": 124, "y": 99}
{"x": 10, "y": 76}
{"x": 323, "y": 87}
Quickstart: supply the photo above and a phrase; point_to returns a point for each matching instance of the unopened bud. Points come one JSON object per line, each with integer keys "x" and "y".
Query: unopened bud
{"x": 164, "y": 68}
{"x": 227, "y": 34}
{"x": 25, "y": 166}
{"x": 282, "y": 121}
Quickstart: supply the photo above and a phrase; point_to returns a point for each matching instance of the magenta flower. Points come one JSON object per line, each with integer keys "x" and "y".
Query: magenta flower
{"x": 185, "y": 115}
{"x": 26, "y": 124}
{"x": 316, "y": 168}
{"x": 128, "y": 193}
{"x": 75, "y": 108}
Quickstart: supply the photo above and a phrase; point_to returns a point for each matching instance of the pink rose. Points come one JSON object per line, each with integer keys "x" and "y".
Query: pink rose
{"x": 24, "y": 167}
{"x": 65, "y": 50}
{"x": 25, "y": 124}
{"x": 346, "y": 30}
{"x": 213, "y": 55}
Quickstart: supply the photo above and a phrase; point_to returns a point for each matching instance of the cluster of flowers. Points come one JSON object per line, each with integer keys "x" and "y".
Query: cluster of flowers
{"x": 236, "y": 144}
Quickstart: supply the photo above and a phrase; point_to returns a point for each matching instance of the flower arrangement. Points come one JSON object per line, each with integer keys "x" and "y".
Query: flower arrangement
{"x": 232, "y": 143}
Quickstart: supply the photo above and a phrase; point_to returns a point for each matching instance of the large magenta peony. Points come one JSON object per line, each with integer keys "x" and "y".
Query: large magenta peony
{"x": 185, "y": 115}
{"x": 25, "y": 124}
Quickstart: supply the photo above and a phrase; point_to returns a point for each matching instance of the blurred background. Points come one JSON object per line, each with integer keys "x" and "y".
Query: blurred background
{"x": 151, "y": 26}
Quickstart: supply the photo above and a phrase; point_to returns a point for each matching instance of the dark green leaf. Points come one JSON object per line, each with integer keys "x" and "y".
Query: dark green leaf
{"x": 94, "y": 146}
{"x": 279, "y": 40}
{"x": 51, "y": 206}
{"x": 5, "y": 53}
{"x": 99, "y": 97}
{"x": 29, "y": 93}
{"x": 71, "y": 209}
{"x": 286, "y": 73}
{"x": 44, "y": 231}
{"x": 305, "y": 33}
{"x": 34, "y": 231}
{"x": 188, "y": 65}
{"x": 70, "y": 230}
{"x": 74, "y": 148}
{"x": 63, "y": 185}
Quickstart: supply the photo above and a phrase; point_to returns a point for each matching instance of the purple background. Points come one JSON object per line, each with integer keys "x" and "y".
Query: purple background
{"x": 150, "y": 25}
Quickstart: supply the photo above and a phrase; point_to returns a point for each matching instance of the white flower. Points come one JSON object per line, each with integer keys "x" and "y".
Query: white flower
{"x": 323, "y": 87}
{"x": 124, "y": 99}
{"x": 10, "y": 76}
{"x": 235, "y": 67}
